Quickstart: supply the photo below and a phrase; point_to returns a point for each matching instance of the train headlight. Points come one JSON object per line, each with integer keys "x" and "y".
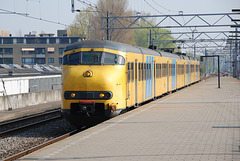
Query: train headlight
{"x": 101, "y": 95}
{"x": 73, "y": 95}
{"x": 108, "y": 95}
{"x": 88, "y": 73}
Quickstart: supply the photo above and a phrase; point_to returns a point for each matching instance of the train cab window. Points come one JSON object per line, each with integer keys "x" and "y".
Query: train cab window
{"x": 74, "y": 58}
{"x": 93, "y": 58}
{"x": 112, "y": 59}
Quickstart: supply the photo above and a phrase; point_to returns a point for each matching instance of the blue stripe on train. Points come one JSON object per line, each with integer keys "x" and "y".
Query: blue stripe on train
{"x": 149, "y": 77}
{"x": 152, "y": 69}
{"x": 146, "y": 85}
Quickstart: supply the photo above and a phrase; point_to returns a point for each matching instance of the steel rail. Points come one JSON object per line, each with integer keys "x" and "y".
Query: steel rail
{"x": 30, "y": 150}
{"x": 28, "y": 117}
{"x": 30, "y": 124}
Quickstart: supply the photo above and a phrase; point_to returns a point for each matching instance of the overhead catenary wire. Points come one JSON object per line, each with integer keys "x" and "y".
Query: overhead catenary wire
{"x": 153, "y": 7}
{"x": 164, "y": 7}
{"x": 32, "y": 17}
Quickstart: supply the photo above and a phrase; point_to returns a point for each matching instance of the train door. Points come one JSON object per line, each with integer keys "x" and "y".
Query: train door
{"x": 149, "y": 77}
{"x": 167, "y": 76}
{"x": 136, "y": 82}
{"x": 130, "y": 84}
{"x": 154, "y": 79}
{"x": 173, "y": 73}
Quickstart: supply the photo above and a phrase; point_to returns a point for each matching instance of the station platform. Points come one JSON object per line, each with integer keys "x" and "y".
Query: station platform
{"x": 197, "y": 123}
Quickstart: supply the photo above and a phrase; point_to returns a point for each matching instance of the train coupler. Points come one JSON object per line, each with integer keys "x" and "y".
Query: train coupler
{"x": 87, "y": 107}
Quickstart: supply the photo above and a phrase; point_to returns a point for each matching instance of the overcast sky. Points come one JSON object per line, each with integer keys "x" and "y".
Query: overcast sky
{"x": 59, "y": 11}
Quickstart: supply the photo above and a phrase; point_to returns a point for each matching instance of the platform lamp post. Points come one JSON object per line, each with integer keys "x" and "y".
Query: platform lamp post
{"x": 201, "y": 58}
{"x": 194, "y": 47}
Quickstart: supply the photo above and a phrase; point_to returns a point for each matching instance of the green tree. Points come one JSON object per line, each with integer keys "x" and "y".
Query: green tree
{"x": 80, "y": 25}
{"x": 142, "y": 36}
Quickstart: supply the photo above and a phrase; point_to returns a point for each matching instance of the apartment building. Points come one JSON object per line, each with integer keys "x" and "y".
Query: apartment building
{"x": 32, "y": 49}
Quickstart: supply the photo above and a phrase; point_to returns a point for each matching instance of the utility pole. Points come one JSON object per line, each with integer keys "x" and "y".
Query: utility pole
{"x": 235, "y": 56}
{"x": 72, "y": 5}
{"x": 230, "y": 61}
{"x": 107, "y": 26}
{"x": 206, "y": 62}
{"x": 150, "y": 37}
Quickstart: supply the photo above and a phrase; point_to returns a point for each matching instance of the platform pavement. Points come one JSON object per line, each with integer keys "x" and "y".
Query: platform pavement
{"x": 26, "y": 111}
{"x": 198, "y": 123}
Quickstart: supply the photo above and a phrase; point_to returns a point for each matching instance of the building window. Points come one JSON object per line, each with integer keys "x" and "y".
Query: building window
{"x": 28, "y": 60}
{"x": 60, "y": 61}
{"x": 39, "y": 50}
{"x": 27, "y": 51}
{"x": 41, "y": 41}
{"x": 8, "y": 41}
{"x": 6, "y": 60}
{"x": 64, "y": 40}
{"x": 61, "y": 51}
{"x": 50, "y": 60}
{"x": 40, "y": 60}
{"x": 20, "y": 40}
{"x": 50, "y": 50}
{"x": 31, "y": 40}
{"x": 6, "y": 51}
{"x": 52, "y": 40}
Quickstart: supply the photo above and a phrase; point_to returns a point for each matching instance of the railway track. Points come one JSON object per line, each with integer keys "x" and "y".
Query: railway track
{"x": 21, "y": 136}
{"x": 24, "y": 122}
{"x": 30, "y": 150}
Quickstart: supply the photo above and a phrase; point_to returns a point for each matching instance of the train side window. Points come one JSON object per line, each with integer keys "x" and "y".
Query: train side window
{"x": 156, "y": 71}
{"x": 136, "y": 68}
{"x": 147, "y": 76}
{"x": 144, "y": 71}
{"x": 128, "y": 72}
{"x": 139, "y": 72}
{"x": 132, "y": 72}
{"x": 160, "y": 70}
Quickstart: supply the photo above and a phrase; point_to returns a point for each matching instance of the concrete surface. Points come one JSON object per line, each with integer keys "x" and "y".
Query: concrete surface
{"x": 198, "y": 123}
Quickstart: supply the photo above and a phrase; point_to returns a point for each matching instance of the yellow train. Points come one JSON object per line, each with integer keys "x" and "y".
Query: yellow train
{"x": 102, "y": 78}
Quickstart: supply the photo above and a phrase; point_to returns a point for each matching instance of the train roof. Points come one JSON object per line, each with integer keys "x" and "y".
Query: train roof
{"x": 121, "y": 47}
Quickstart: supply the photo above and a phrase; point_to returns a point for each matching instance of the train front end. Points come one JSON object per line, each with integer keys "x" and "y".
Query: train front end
{"x": 94, "y": 82}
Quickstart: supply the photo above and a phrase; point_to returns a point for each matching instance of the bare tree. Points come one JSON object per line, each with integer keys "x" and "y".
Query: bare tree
{"x": 114, "y": 8}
